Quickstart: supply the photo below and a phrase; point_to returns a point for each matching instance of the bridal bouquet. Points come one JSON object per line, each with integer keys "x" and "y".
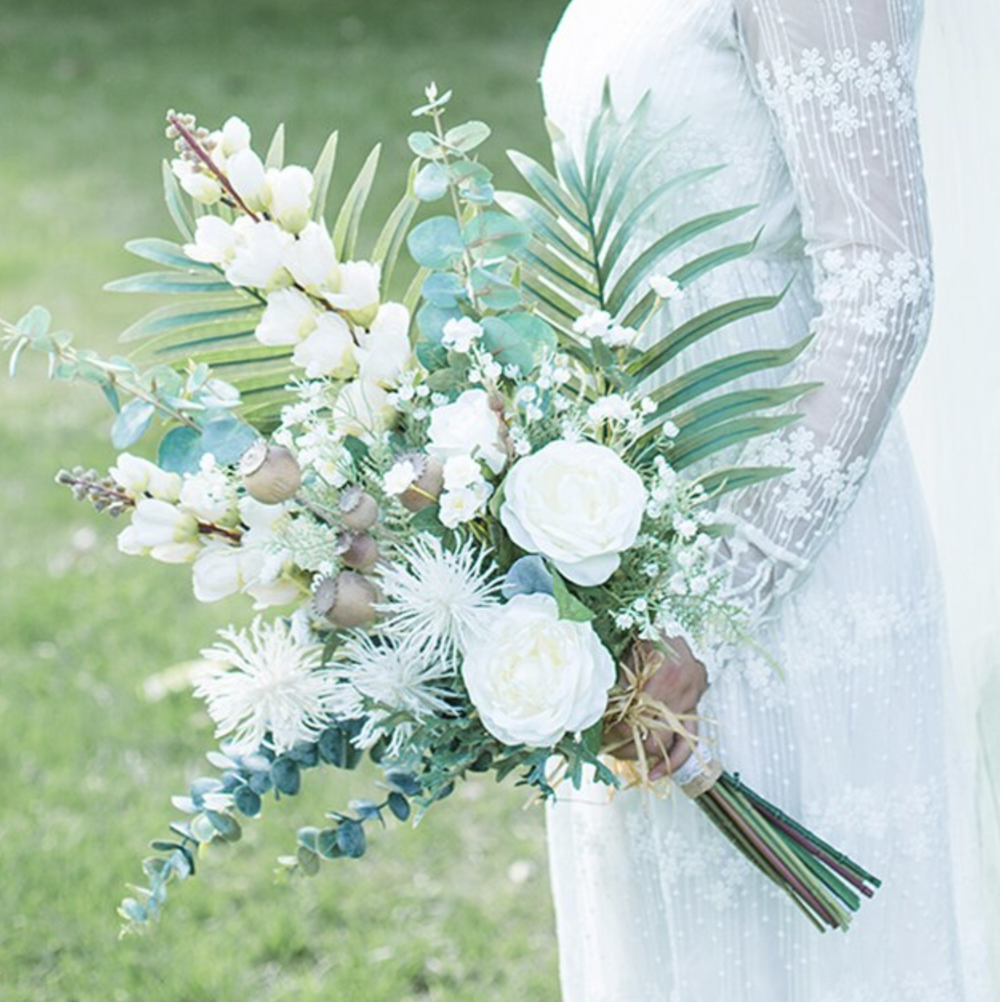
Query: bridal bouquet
{"x": 466, "y": 504}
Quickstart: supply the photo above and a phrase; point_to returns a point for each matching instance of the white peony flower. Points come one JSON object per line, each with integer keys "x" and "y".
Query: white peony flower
{"x": 267, "y": 684}
{"x": 460, "y": 335}
{"x": 258, "y": 259}
{"x": 363, "y": 409}
{"x": 288, "y": 318}
{"x": 164, "y": 531}
{"x": 328, "y": 350}
{"x": 246, "y": 174}
{"x": 137, "y": 476}
{"x": 311, "y": 259}
{"x": 576, "y": 503}
{"x": 467, "y": 427}
{"x": 215, "y": 241}
{"x": 533, "y": 677}
{"x": 385, "y": 349}
{"x": 289, "y": 196}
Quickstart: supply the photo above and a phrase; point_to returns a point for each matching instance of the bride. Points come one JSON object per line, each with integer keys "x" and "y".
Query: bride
{"x": 810, "y": 105}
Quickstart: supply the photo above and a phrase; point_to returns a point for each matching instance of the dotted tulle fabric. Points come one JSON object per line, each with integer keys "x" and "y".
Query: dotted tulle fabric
{"x": 810, "y": 105}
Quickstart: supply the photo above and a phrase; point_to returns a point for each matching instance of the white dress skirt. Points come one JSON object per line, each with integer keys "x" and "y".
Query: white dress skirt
{"x": 809, "y": 104}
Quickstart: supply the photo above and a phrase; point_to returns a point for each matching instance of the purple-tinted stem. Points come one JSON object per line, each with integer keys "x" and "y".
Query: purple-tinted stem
{"x": 778, "y": 865}
{"x": 814, "y": 850}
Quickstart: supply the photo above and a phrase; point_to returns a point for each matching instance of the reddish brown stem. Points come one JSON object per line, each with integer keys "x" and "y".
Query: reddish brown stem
{"x": 203, "y": 155}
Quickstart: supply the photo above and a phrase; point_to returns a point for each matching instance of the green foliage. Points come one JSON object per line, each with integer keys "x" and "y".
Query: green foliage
{"x": 582, "y": 223}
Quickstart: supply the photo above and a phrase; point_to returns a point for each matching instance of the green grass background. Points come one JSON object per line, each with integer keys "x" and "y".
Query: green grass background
{"x": 458, "y": 909}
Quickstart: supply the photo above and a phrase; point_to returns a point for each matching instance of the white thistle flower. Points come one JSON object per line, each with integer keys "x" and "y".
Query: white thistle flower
{"x": 378, "y": 679}
{"x": 272, "y": 683}
{"x": 435, "y": 597}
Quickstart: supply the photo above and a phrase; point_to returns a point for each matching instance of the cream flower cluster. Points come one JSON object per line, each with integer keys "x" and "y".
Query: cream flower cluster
{"x": 198, "y": 518}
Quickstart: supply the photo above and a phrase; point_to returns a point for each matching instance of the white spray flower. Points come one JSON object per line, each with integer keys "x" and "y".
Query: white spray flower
{"x": 288, "y": 318}
{"x": 384, "y": 350}
{"x": 460, "y": 335}
{"x": 258, "y": 259}
{"x": 311, "y": 259}
{"x": 328, "y": 350}
{"x": 399, "y": 477}
{"x": 664, "y": 286}
{"x": 436, "y": 597}
{"x": 215, "y": 241}
{"x": 289, "y": 201}
{"x": 164, "y": 531}
{"x": 209, "y": 494}
{"x": 137, "y": 476}
{"x": 268, "y": 683}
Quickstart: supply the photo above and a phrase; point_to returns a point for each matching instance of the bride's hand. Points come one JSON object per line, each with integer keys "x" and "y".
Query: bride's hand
{"x": 678, "y": 681}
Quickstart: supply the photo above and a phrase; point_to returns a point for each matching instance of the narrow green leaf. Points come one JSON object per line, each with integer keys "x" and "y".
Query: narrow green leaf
{"x": 647, "y": 260}
{"x": 322, "y": 173}
{"x": 276, "y": 151}
{"x": 548, "y": 188}
{"x": 693, "y": 330}
{"x": 345, "y": 231}
{"x": 719, "y": 482}
{"x": 176, "y": 205}
{"x": 184, "y": 318}
{"x": 724, "y": 436}
{"x": 172, "y": 282}
{"x": 390, "y": 240}
{"x": 166, "y": 252}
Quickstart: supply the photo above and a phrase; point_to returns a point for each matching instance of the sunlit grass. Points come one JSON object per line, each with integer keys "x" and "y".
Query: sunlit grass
{"x": 457, "y": 910}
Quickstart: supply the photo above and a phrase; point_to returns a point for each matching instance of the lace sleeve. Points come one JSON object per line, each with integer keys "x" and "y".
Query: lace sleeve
{"x": 837, "y": 77}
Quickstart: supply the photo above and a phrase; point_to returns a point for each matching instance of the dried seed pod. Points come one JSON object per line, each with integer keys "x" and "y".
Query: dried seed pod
{"x": 357, "y": 550}
{"x": 271, "y": 474}
{"x": 358, "y": 509}
{"x": 427, "y": 485}
{"x": 348, "y": 600}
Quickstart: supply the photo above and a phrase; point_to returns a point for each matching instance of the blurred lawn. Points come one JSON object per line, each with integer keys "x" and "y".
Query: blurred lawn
{"x": 457, "y": 910}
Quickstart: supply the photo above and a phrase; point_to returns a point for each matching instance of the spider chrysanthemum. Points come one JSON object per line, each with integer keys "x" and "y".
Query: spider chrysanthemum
{"x": 434, "y": 598}
{"x": 270, "y": 683}
{"x": 379, "y": 679}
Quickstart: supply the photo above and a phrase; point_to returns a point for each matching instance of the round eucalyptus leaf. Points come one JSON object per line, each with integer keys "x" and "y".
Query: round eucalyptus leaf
{"x": 436, "y": 242}
{"x": 308, "y": 861}
{"x": 286, "y": 776}
{"x": 492, "y": 236}
{"x": 431, "y": 182}
{"x": 131, "y": 423}
{"x": 351, "y": 839}
{"x": 467, "y": 136}
{"x": 247, "y": 802}
{"x": 399, "y": 805}
{"x": 180, "y": 450}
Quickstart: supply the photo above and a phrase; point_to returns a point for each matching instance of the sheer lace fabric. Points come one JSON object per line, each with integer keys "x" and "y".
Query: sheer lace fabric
{"x": 810, "y": 106}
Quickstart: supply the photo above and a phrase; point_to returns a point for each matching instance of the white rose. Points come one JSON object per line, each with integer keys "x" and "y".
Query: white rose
{"x": 576, "y": 503}
{"x": 363, "y": 409}
{"x": 288, "y": 318}
{"x": 533, "y": 676}
{"x": 328, "y": 350}
{"x": 169, "y": 534}
{"x": 311, "y": 259}
{"x": 467, "y": 427}
{"x": 385, "y": 348}
{"x": 289, "y": 193}
{"x": 136, "y": 476}
{"x": 258, "y": 260}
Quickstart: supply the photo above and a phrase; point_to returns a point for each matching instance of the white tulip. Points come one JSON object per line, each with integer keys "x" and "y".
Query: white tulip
{"x": 216, "y": 573}
{"x": 198, "y": 183}
{"x": 363, "y": 409}
{"x": 467, "y": 427}
{"x": 137, "y": 476}
{"x": 534, "y": 677}
{"x": 358, "y": 290}
{"x": 385, "y": 349}
{"x": 290, "y": 196}
{"x": 246, "y": 175}
{"x": 215, "y": 241}
{"x": 576, "y": 503}
{"x": 328, "y": 350}
{"x": 234, "y": 136}
{"x": 258, "y": 259}
{"x": 311, "y": 259}
{"x": 169, "y": 534}
{"x": 288, "y": 318}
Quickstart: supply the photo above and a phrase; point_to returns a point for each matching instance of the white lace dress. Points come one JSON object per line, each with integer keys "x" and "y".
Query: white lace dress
{"x": 810, "y": 104}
